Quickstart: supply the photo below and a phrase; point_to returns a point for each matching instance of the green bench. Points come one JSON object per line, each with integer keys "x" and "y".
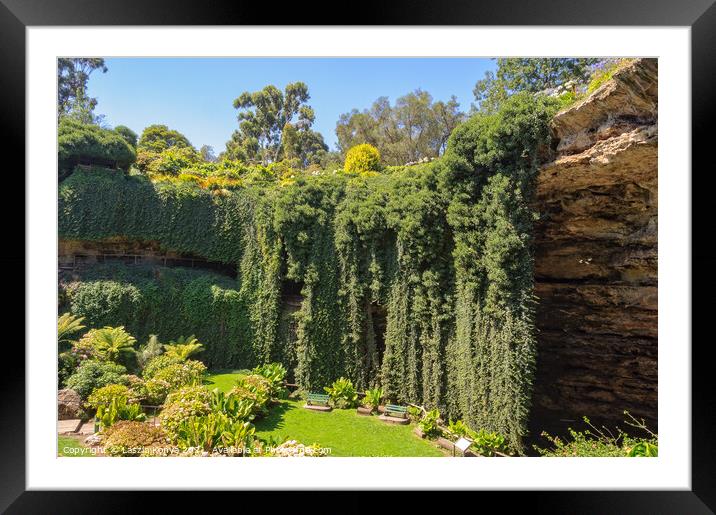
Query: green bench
{"x": 320, "y": 399}
{"x": 392, "y": 410}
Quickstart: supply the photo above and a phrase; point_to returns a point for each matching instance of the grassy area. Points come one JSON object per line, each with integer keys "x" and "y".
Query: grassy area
{"x": 223, "y": 379}
{"x": 343, "y": 431}
{"x": 71, "y": 446}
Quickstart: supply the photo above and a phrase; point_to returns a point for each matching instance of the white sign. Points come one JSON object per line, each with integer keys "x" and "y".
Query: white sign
{"x": 463, "y": 444}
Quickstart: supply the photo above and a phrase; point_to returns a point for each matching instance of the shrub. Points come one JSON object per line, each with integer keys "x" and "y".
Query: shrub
{"x": 131, "y": 438}
{"x": 67, "y": 325}
{"x": 78, "y": 142}
{"x": 185, "y": 402}
{"x": 181, "y": 374}
{"x": 603, "y": 443}
{"x": 255, "y": 391}
{"x": 183, "y": 348}
{"x": 429, "y": 424}
{"x": 103, "y": 396}
{"x": 155, "y": 391}
{"x": 149, "y": 350}
{"x": 119, "y": 408}
{"x": 215, "y": 431}
{"x": 362, "y": 158}
{"x": 488, "y": 443}
{"x": 373, "y": 397}
{"x": 158, "y": 363}
{"x": 343, "y": 393}
{"x": 109, "y": 343}
{"x": 93, "y": 374}
{"x": 275, "y": 373}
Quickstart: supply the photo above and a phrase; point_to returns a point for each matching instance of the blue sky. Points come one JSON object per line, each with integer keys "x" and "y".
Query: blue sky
{"x": 195, "y": 96}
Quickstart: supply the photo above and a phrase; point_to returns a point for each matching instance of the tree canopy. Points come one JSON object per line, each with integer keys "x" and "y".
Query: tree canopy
{"x": 414, "y": 128}
{"x": 72, "y": 76}
{"x": 274, "y": 124}
{"x": 528, "y": 74}
{"x": 84, "y": 143}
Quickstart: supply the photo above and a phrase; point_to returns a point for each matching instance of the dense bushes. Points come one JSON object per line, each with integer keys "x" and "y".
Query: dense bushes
{"x": 443, "y": 249}
{"x": 172, "y": 303}
{"x": 92, "y": 374}
{"x": 90, "y": 144}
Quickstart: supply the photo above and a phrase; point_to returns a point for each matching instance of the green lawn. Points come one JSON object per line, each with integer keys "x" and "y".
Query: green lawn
{"x": 67, "y": 444}
{"x": 343, "y": 431}
{"x": 223, "y": 379}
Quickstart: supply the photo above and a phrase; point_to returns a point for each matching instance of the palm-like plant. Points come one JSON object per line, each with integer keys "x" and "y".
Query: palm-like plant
{"x": 182, "y": 348}
{"x": 110, "y": 342}
{"x": 67, "y": 325}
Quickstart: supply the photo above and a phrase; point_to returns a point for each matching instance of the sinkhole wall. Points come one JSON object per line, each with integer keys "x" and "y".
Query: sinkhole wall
{"x": 596, "y": 258}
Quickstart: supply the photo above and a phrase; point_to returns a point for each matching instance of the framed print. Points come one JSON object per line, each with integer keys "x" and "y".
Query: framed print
{"x": 323, "y": 257}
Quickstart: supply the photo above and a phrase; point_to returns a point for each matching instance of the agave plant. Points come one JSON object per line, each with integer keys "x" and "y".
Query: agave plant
{"x": 67, "y": 325}
{"x": 109, "y": 343}
{"x": 182, "y": 348}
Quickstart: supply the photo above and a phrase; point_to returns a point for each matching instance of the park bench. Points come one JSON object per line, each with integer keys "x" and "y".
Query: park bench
{"x": 395, "y": 414}
{"x": 393, "y": 410}
{"x": 318, "y": 402}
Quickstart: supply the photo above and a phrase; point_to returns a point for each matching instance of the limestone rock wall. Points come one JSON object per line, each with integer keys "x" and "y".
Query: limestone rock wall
{"x": 596, "y": 257}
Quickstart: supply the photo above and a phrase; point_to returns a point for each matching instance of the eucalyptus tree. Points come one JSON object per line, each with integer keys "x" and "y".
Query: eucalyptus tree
{"x": 266, "y": 118}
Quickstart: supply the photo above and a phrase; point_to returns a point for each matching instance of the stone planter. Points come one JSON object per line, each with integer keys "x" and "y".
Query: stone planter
{"x": 419, "y": 432}
{"x": 365, "y": 411}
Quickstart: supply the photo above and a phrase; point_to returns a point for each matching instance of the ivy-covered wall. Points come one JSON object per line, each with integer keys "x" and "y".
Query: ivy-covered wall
{"x": 443, "y": 248}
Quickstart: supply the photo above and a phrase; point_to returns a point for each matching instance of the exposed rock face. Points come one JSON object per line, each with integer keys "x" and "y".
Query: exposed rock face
{"x": 596, "y": 257}
{"x": 69, "y": 405}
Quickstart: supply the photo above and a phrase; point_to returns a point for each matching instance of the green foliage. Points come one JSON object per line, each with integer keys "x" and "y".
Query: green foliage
{"x": 133, "y": 438}
{"x": 149, "y": 350}
{"x": 181, "y": 374}
{"x": 274, "y": 125}
{"x": 215, "y": 431}
{"x": 103, "y": 396}
{"x": 343, "y": 393}
{"x": 83, "y": 143}
{"x": 595, "y": 442}
{"x": 429, "y": 424}
{"x": 488, "y": 443}
{"x": 413, "y": 129}
{"x": 182, "y": 348}
{"x": 128, "y": 134}
{"x": 373, "y": 398}
{"x": 603, "y": 73}
{"x": 362, "y": 158}
{"x": 109, "y": 343}
{"x": 157, "y": 364}
{"x": 67, "y": 325}
{"x": 119, "y": 408}
{"x": 156, "y": 138}
{"x": 171, "y": 303}
{"x": 275, "y": 373}
{"x": 72, "y": 76}
{"x": 93, "y": 374}
{"x": 515, "y": 75}
{"x": 396, "y": 271}
{"x": 185, "y": 402}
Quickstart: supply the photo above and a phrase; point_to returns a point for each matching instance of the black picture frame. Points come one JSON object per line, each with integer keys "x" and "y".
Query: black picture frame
{"x": 700, "y": 15}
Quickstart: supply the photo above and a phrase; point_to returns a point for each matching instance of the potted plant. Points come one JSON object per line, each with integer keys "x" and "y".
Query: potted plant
{"x": 371, "y": 401}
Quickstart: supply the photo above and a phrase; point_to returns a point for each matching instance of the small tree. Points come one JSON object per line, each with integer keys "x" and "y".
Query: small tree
{"x": 109, "y": 343}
